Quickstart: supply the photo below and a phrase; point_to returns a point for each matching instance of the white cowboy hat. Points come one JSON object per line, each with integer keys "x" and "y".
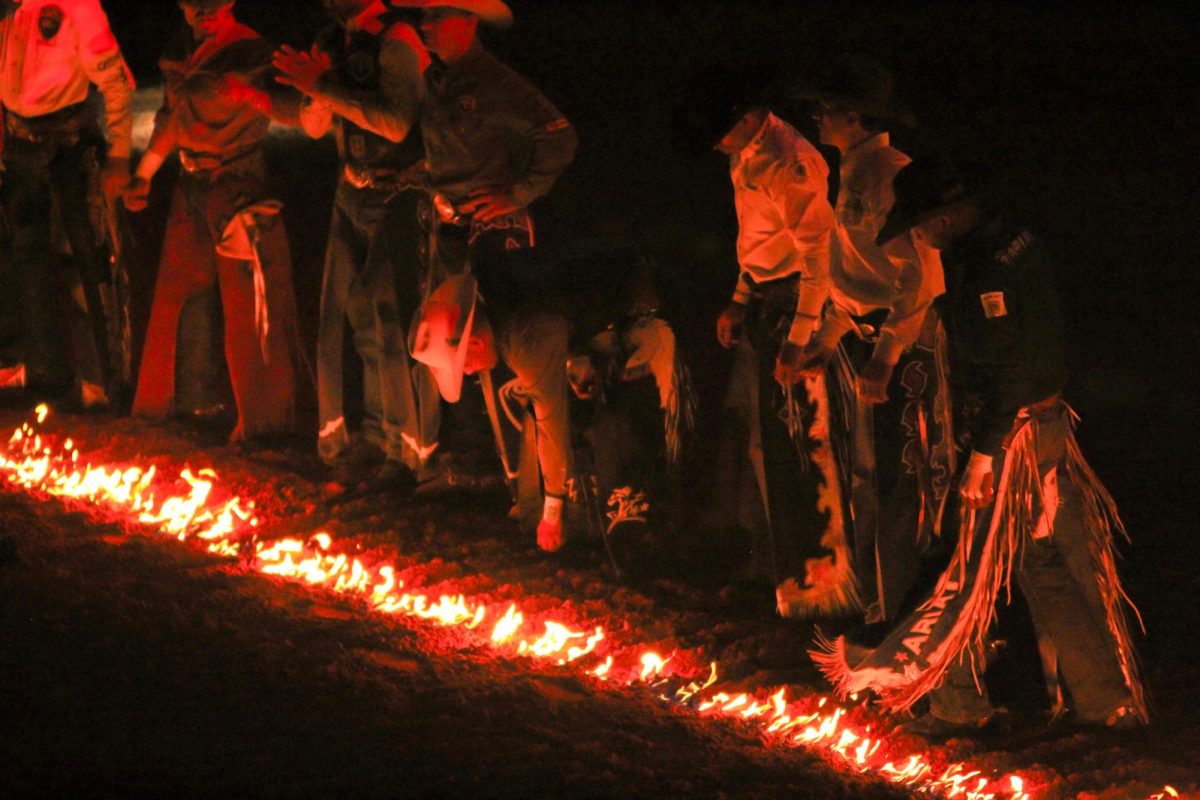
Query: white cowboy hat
{"x": 491, "y": 12}
{"x": 441, "y": 332}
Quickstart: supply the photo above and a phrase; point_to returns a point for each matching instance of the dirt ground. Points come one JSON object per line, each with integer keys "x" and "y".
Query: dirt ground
{"x": 138, "y": 667}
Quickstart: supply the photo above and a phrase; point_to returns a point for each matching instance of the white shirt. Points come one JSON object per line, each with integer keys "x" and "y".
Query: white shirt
{"x": 785, "y": 223}
{"x": 904, "y": 277}
{"x": 51, "y": 51}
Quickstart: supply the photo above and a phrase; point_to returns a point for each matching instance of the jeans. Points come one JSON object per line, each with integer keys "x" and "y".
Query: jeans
{"x": 372, "y": 281}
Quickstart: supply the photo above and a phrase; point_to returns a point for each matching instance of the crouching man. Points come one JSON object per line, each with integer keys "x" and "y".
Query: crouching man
{"x": 1030, "y": 506}
{"x": 224, "y": 229}
{"x": 453, "y": 335}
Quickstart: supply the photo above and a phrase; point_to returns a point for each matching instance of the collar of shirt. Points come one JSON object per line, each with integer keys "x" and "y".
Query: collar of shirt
{"x": 865, "y": 148}
{"x": 755, "y": 145}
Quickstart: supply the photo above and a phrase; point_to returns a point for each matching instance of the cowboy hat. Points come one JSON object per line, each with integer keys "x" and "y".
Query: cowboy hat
{"x": 922, "y": 189}
{"x": 859, "y": 84}
{"x": 491, "y": 12}
{"x": 441, "y": 332}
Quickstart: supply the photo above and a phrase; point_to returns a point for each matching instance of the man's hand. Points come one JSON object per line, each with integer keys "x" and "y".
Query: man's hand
{"x": 729, "y": 325}
{"x": 583, "y": 377}
{"x": 114, "y": 179}
{"x": 788, "y": 364}
{"x": 489, "y": 203}
{"x": 236, "y": 90}
{"x": 301, "y": 71}
{"x": 976, "y": 489}
{"x": 873, "y": 381}
{"x": 137, "y": 196}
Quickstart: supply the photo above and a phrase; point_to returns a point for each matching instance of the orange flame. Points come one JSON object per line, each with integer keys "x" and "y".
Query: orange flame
{"x": 193, "y": 506}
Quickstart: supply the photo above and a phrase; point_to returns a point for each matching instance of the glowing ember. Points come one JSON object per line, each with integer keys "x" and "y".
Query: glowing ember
{"x": 193, "y": 506}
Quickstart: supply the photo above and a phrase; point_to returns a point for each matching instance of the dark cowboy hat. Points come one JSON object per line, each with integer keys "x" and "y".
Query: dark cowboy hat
{"x": 717, "y": 97}
{"x": 490, "y": 12}
{"x": 922, "y": 189}
{"x": 859, "y": 84}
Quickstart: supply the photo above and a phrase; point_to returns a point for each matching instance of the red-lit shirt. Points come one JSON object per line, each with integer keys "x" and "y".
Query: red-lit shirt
{"x": 785, "y": 223}
{"x": 904, "y": 277}
{"x": 51, "y": 51}
{"x": 198, "y": 115}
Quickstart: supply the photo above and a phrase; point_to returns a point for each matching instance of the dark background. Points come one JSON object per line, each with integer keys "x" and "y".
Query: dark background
{"x": 1084, "y": 116}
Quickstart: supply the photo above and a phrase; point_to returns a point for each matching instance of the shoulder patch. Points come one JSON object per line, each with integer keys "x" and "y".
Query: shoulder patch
{"x": 557, "y": 125}
{"x": 993, "y": 305}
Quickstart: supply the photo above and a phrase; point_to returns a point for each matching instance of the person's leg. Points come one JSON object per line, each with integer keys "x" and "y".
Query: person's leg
{"x": 28, "y": 205}
{"x": 408, "y": 400}
{"x": 1058, "y": 575}
{"x": 814, "y": 576}
{"x": 187, "y": 266}
{"x": 962, "y": 699}
{"x": 75, "y": 176}
{"x": 199, "y": 377}
{"x": 264, "y": 388}
{"x": 535, "y": 348}
{"x": 342, "y": 254}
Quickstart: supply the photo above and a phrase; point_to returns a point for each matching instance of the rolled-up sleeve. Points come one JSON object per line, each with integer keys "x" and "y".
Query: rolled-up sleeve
{"x": 101, "y": 60}
{"x": 919, "y": 281}
{"x": 391, "y": 111}
{"x": 800, "y": 193}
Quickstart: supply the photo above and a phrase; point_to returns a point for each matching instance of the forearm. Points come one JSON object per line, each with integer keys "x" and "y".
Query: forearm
{"x": 116, "y": 86}
{"x": 316, "y": 118}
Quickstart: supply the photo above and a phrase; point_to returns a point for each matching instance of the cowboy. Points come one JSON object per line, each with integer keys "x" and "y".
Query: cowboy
{"x": 224, "y": 230}
{"x": 51, "y": 53}
{"x": 455, "y": 335}
{"x": 888, "y": 381}
{"x": 364, "y": 80}
{"x": 785, "y": 225}
{"x": 1030, "y": 505}
{"x": 493, "y": 145}
{"x": 633, "y": 401}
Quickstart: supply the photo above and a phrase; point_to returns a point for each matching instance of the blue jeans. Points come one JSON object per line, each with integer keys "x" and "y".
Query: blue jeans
{"x": 372, "y": 280}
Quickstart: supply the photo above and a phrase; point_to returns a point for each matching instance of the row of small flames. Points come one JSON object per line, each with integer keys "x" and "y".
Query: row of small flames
{"x": 191, "y": 507}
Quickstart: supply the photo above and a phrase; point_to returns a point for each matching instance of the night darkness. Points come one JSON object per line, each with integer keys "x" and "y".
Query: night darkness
{"x": 1083, "y": 117}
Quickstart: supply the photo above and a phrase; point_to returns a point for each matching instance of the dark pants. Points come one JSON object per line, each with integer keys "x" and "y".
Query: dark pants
{"x": 373, "y": 281}
{"x": 798, "y": 476}
{"x": 191, "y": 273}
{"x": 45, "y": 183}
{"x": 896, "y": 460}
{"x": 1060, "y": 580}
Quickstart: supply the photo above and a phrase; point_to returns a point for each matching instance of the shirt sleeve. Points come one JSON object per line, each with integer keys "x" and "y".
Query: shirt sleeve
{"x": 800, "y": 194}
{"x": 548, "y": 134}
{"x": 919, "y": 281}
{"x": 391, "y": 111}
{"x": 101, "y": 60}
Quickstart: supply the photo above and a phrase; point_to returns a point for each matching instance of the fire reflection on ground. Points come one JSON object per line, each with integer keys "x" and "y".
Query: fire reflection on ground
{"x": 193, "y": 506}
